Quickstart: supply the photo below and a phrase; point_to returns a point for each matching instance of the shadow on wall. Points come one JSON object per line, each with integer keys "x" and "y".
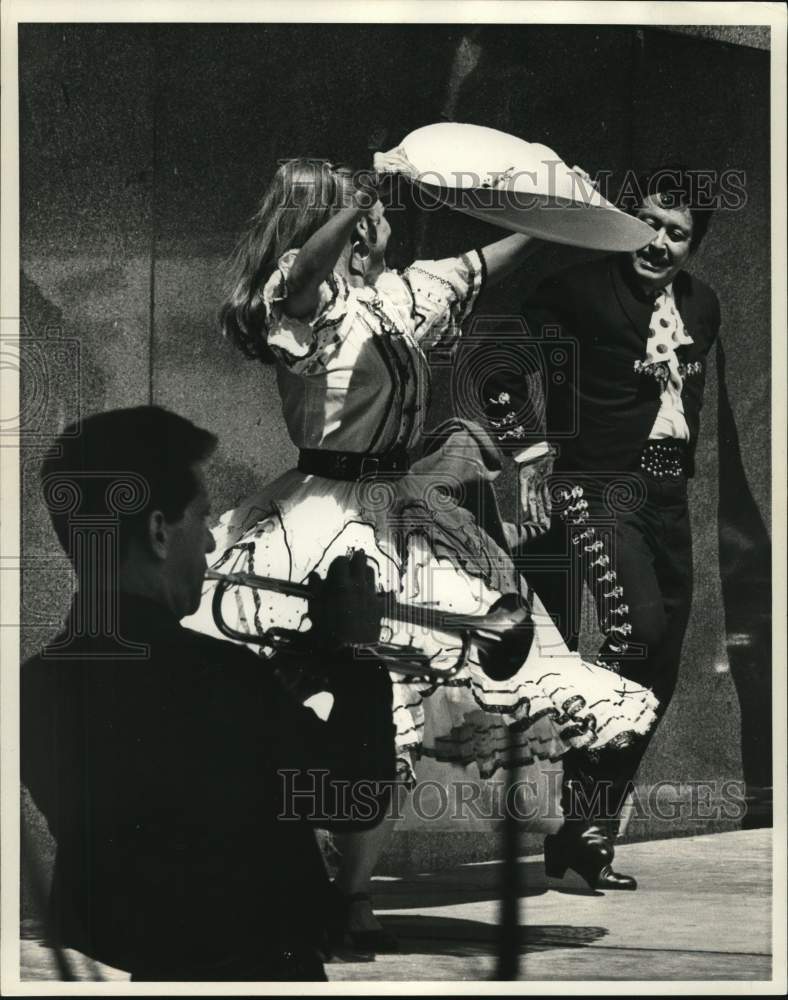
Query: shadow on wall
{"x": 745, "y": 574}
{"x": 56, "y": 376}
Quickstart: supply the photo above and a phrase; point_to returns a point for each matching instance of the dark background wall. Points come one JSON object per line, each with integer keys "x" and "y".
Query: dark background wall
{"x": 144, "y": 148}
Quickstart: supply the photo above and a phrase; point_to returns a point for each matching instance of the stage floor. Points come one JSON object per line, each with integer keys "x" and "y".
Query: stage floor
{"x": 703, "y": 911}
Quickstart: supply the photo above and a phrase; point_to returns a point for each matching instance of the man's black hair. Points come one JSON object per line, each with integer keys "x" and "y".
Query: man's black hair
{"x": 117, "y": 467}
{"x": 680, "y": 187}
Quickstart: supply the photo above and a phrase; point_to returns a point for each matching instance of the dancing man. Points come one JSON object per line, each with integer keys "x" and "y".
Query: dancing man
{"x": 643, "y": 327}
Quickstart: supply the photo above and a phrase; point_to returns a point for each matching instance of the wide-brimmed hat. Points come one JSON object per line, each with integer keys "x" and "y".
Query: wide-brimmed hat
{"x": 518, "y": 185}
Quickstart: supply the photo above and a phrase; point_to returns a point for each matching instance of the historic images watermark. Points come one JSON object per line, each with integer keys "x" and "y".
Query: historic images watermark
{"x": 312, "y": 795}
{"x": 552, "y": 184}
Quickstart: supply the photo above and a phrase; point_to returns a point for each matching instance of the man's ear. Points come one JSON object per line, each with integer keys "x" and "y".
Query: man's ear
{"x": 158, "y": 534}
{"x": 361, "y": 232}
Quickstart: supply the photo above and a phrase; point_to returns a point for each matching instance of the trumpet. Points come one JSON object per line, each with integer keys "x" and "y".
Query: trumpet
{"x": 503, "y": 636}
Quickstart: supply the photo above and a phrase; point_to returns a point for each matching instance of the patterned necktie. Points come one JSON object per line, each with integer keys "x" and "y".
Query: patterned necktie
{"x": 667, "y": 331}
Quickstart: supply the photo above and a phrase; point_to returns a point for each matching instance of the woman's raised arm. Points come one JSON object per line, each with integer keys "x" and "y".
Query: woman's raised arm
{"x": 503, "y": 256}
{"x": 318, "y": 256}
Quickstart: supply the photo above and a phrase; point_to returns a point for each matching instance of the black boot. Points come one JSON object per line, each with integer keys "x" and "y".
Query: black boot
{"x": 611, "y": 879}
{"x": 582, "y": 844}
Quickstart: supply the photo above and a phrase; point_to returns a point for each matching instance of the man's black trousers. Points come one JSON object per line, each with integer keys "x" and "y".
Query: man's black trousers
{"x": 645, "y": 529}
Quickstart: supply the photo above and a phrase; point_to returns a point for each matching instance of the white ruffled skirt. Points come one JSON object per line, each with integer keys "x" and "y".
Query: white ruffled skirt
{"x": 427, "y": 551}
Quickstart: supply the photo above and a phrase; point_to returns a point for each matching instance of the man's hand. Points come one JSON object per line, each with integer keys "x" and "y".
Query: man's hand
{"x": 345, "y": 610}
{"x": 535, "y": 491}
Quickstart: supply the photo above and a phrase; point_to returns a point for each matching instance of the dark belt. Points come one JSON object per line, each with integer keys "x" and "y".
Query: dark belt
{"x": 351, "y": 466}
{"x": 664, "y": 459}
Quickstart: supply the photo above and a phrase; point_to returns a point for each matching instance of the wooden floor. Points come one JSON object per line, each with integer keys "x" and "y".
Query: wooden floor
{"x": 702, "y": 912}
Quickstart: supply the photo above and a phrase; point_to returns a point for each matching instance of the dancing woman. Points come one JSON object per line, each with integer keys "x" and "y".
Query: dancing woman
{"x": 311, "y": 293}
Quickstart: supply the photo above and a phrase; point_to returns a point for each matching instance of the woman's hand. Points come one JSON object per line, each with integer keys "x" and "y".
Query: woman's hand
{"x": 588, "y": 181}
{"x": 395, "y": 161}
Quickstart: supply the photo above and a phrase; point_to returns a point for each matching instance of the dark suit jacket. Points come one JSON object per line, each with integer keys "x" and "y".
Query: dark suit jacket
{"x": 158, "y": 780}
{"x": 602, "y": 309}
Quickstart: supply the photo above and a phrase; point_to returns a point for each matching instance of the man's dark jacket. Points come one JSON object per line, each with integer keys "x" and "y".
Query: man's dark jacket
{"x": 158, "y": 778}
{"x": 613, "y": 406}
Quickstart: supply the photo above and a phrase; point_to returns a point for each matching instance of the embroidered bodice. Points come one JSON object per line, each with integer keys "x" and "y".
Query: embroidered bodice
{"x": 354, "y": 376}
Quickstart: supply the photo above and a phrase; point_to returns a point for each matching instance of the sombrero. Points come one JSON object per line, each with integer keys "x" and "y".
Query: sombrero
{"x": 519, "y": 185}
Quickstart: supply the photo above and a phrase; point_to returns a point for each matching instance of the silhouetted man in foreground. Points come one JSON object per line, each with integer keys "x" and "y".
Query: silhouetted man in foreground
{"x": 153, "y": 751}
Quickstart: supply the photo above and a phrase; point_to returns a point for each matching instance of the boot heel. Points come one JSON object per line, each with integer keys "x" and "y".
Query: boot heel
{"x": 554, "y": 870}
{"x": 555, "y": 867}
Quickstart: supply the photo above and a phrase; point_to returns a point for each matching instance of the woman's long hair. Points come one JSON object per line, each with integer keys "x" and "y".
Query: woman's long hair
{"x": 302, "y": 197}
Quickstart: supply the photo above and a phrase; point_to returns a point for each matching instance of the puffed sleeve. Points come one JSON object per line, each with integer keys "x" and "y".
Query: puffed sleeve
{"x": 304, "y": 344}
{"x": 444, "y": 293}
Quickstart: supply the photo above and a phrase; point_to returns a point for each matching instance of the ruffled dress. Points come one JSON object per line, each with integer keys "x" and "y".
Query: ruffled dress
{"x": 355, "y": 378}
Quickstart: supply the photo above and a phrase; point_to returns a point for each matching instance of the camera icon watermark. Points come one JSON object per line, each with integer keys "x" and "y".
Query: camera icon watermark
{"x": 504, "y": 375}
{"x": 41, "y": 380}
